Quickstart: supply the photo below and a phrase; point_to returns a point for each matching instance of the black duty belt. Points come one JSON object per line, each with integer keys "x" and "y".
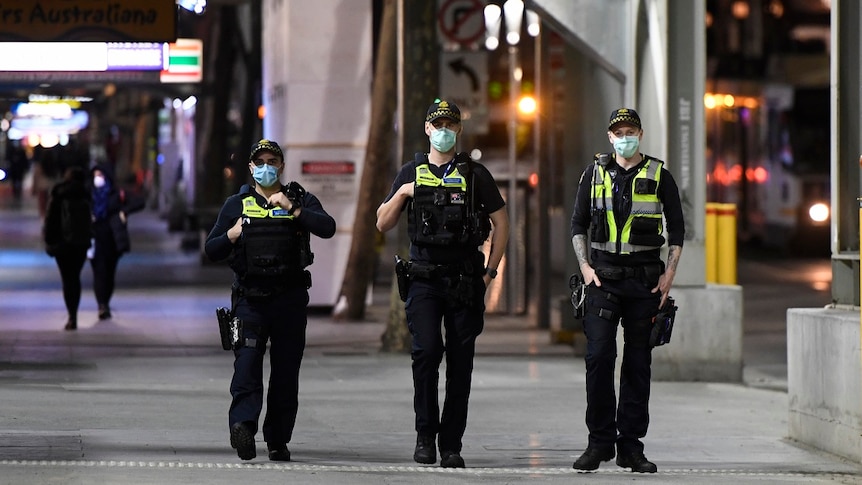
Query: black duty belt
{"x": 619, "y": 272}
{"x": 419, "y": 269}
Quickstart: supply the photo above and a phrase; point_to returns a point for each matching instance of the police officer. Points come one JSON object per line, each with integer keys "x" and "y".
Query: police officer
{"x": 264, "y": 231}
{"x": 618, "y": 212}
{"x": 451, "y": 202}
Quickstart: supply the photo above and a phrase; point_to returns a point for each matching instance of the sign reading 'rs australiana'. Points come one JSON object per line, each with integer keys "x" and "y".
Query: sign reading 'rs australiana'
{"x": 88, "y": 20}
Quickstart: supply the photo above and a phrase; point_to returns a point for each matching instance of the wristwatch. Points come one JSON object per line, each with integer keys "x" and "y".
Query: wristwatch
{"x": 492, "y": 272}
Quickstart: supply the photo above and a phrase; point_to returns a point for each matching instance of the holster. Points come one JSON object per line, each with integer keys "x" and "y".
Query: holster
{"x": 662, "y": 323}
{"x": 402, "y": 276}
{"x": 579, "y": 293}
{"x": 230, "y": 328}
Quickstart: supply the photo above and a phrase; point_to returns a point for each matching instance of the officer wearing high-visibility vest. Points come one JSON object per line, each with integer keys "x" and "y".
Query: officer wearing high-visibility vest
{"x": 618, "y": 229}
{"x": 452, "y": 202}
{"x": 264, "y": 231}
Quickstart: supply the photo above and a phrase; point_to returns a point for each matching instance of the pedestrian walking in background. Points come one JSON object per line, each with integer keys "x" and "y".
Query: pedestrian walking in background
{"x": 264, "y": 231}
{"x": 47, "y": 172}
{"x": 67, "y": 232}
{"x": 111, "y": 207}
{"x": 451, "y": 202}
{"x": 618, "y": 212}
{"x": 19, "y": 165}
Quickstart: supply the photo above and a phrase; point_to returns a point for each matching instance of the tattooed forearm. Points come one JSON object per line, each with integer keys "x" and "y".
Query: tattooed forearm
{"x": 579, "y": 242}
{"x": 673, "y": 254}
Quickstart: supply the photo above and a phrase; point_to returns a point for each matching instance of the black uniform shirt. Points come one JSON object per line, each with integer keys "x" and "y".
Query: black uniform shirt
{"x": 668, "y": 194}
{"x": 488, "y": 199}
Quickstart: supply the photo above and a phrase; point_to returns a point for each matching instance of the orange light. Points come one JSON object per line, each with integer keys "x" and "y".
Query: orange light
{"x": 261, "y": 112}
{"x": 709, "y": 101}
{"x": 740, "y": 9}
{"x": 776, "y": 9}
{"x": 761, "y": 175}
{"x": 729, "y": 100}
{"x": 527, "y": 105}
{"x": 534, "y": 179}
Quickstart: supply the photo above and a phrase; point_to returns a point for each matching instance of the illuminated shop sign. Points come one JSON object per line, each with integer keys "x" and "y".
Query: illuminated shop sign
{"x": 88, "y": 20}
{"x": 180, "y": 61}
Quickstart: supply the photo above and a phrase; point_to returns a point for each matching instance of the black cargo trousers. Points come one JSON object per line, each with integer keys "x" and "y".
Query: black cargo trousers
{"x": 630, "y": 302}
{"x": 430, "y": 307}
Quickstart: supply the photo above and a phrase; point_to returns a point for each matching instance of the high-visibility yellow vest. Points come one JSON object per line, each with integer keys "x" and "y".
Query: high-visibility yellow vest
{"x": 642, "y": 230}
{"x": 272, "y": 243}
{"x": 440, "y": 212}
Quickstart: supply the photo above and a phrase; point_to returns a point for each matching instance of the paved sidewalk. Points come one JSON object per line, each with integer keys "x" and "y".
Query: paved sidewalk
{"x": 142, "y": 398}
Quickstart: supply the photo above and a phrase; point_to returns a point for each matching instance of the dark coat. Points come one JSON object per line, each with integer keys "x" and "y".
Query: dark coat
{"x": 109, "y": 228}
{"x": 67, "y": 227}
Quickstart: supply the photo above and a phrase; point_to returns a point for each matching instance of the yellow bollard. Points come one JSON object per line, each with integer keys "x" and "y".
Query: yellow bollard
{"x": 726, "y": 243}
{"x": 711, "y": 243}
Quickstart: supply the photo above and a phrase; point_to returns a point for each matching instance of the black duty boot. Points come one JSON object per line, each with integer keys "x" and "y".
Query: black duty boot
{"x": 278, "y": 452}
{"x": 451, "y": 459}
{"x": 242, "y": 439}
{"x": 637, "y": 462}
{"x": 593, "y": 457}
{"x": 425, "y": 450}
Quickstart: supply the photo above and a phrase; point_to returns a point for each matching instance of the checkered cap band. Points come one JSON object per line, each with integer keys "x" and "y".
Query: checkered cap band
{"x": 443, "y": 109}
{"x": 266, "y": 145}
{"x": 624, "y": 115}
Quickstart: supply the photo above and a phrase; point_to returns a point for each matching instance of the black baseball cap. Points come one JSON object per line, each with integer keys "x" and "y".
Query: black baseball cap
{"x": 266, "y": 145}
{"x": 443, "y": 109}
{"x": 624, "y": 115}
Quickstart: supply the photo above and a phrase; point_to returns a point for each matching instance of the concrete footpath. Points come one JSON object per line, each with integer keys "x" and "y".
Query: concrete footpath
{"x": 142, "y": 398}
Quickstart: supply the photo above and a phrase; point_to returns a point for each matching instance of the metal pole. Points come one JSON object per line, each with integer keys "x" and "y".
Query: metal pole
{"x": 543, "y": 309}
{"x": 512, "y": 248}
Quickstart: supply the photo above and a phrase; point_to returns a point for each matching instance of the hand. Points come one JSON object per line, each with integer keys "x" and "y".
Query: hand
{"x": 589, "y": 275}
{"x": 407, "y": 189}
{"x": 278, "y": 199}
{"x": 236, "y": 231}
{"x": 665, "y": 281}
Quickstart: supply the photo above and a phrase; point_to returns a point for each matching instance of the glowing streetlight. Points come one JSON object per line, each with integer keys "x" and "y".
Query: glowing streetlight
{"x": 492, "y": 26}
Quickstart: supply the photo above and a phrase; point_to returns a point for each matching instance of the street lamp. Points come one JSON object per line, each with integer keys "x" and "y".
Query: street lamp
{"x": 513, "y": 13}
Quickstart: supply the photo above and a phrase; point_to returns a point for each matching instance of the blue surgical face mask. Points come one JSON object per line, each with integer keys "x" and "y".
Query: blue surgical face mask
{"x": 265, "y": 175}
{"x": 626, "y": 146}
{"x": 443, "y": 139}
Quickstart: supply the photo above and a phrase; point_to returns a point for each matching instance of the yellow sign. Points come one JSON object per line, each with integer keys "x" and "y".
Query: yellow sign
{"x": 88, "y": 21}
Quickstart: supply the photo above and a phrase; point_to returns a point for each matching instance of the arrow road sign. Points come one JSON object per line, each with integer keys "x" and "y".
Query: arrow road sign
{"x": 464, "y": 80}
{"x": 461, "y": 67}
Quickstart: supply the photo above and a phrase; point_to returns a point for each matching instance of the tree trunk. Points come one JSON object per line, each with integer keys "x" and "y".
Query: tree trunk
{"x": 378, "y": 158}
{"x": 421, "y": 85}
{"x": 251, "y": 129}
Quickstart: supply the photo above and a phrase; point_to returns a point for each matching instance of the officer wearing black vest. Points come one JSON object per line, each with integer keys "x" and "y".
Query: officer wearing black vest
{"x": 451, "y": 203}
{"x": 618, "y": 213}
{"x": 264, "y": 232}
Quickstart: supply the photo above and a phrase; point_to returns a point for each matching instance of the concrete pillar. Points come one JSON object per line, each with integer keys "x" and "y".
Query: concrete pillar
{"x": 317, "y": 72}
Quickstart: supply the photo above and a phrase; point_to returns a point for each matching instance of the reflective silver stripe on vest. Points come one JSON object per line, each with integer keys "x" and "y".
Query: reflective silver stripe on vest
{"x": 624, "y": 247}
